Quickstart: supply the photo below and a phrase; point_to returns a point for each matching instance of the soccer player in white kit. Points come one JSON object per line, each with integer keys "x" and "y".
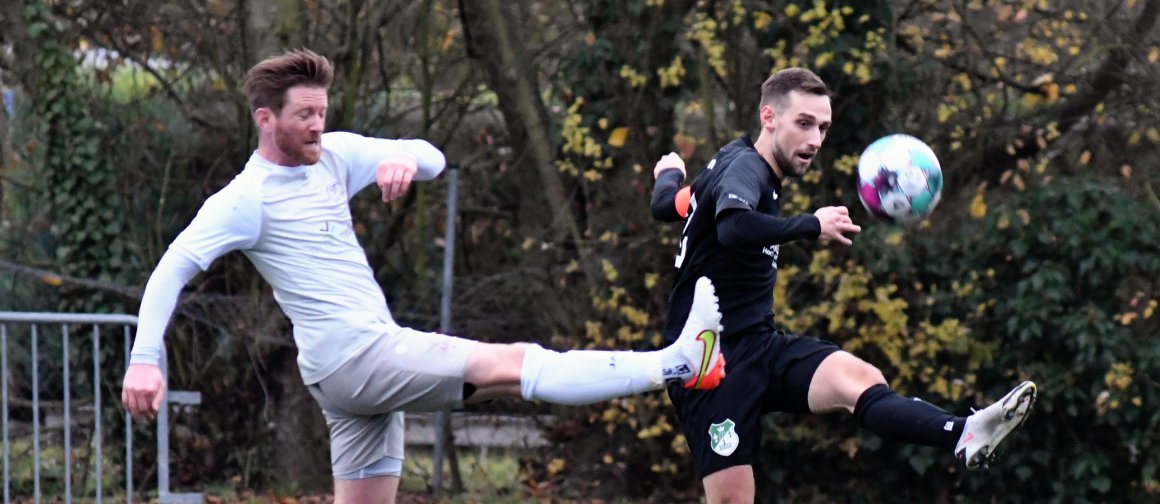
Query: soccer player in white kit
{"x": 288, "y": 212}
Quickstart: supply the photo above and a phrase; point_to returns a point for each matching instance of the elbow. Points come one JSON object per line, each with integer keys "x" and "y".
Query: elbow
{"x": 663, "y": 212}
{"x": 430, "y": 159}
{"x": 729, "y": 238}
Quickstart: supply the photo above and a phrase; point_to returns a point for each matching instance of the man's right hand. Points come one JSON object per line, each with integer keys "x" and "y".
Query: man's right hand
{"x": 143, "y": 390}
{"x": 670, "y": 160}
{"x": 836, "y": 223}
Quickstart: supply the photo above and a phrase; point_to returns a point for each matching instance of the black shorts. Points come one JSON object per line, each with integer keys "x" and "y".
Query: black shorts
{"x": 765, "y": 371}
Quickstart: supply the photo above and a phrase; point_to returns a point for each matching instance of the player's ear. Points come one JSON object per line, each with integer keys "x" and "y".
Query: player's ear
{"x": 767, "y": 115}
{"x": 263, "y": 116}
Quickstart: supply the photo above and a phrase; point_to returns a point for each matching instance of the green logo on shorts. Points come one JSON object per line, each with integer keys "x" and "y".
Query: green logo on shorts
{"x": 722, "y": 438}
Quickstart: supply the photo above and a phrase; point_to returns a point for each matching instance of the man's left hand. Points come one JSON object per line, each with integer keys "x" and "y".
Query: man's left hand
{"x": 394, "y": 176}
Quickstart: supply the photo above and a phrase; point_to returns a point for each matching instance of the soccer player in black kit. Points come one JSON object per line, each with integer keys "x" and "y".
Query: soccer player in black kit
{"x": 732, "y": 233}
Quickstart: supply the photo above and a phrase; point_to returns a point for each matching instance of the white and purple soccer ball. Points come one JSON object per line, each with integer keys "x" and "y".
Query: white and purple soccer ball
{"x": 899, "y": 178}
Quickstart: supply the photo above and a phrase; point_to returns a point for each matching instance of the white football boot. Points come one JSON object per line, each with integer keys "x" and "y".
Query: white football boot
{"x": 986, "y": 428}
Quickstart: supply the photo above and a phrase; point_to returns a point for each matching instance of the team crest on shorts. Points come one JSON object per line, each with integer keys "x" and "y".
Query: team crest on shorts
{"x": 722, "y": 438}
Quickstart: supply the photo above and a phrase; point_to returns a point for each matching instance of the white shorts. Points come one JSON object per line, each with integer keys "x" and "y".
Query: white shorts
{"x": 364, "y": 399}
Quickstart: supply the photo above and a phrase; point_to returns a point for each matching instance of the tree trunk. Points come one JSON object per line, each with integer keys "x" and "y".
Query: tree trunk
{"x": 506, "y": 62}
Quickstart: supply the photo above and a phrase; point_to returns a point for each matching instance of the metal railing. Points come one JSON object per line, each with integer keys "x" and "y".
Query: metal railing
{"x": 67, "y": 322}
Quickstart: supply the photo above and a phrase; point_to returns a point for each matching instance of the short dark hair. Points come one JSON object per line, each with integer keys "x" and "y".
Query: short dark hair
{"x": 778, "y": 86}
{"x": 267, "y": 82}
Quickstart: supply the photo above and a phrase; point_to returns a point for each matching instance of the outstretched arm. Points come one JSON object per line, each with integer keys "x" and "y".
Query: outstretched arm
{"x": 144, "y": 385}
{"x": 670, "y": 202}
{"x": 739, "y": 228}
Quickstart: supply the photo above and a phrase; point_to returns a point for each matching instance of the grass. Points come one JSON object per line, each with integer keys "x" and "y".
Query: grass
{"x": 52, "y": 457}
{"x": 489, "y": 477}
{"x": 485, "y": 473}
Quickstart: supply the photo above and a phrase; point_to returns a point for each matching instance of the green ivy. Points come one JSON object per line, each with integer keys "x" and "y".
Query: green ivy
{"x": 79, "y": 181}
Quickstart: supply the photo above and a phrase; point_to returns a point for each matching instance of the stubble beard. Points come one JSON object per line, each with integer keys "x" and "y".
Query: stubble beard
{"x": 296, "y": 151}
{"x": 789, "y": 166}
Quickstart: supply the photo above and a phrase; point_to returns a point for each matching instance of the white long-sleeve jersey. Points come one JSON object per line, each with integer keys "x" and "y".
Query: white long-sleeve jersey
{"x": 294, "y": 225}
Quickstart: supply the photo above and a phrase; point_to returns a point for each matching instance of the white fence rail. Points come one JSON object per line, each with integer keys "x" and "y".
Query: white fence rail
{"x": 36, "y": 327}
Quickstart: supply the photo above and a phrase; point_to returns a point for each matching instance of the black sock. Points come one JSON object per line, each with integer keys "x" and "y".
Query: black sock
{"x": 896, "y": 418}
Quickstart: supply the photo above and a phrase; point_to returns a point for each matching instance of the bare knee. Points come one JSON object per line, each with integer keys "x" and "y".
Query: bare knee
{"x": 865, "y": 375}
{"x": 840, "y": 380}
{"x": 494, "y": 364}
{"x": 733, "y": 485}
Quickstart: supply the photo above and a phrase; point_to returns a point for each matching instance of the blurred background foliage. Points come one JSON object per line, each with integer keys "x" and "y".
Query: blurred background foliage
{"x": 1041, "y": 262}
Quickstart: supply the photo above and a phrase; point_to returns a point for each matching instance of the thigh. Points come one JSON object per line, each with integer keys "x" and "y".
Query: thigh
{"x": 377, "y": 489}
{"x": 405, "y": 370}
{"x": 734, "y": 484}
{"x": 722, "y": 426}
{"x": 792, "y": 362}
{"x": 357, "y": 441}
{"x": 840, "y": 380}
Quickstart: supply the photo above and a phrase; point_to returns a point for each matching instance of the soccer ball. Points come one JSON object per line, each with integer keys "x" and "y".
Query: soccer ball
{"x": 899, "y": 178}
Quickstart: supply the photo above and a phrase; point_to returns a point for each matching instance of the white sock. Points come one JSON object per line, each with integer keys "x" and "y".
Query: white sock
{"x": 583, "y": 377}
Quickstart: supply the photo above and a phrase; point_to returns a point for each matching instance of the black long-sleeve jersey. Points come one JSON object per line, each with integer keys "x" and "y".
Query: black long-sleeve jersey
{"x": 732, "y": 235}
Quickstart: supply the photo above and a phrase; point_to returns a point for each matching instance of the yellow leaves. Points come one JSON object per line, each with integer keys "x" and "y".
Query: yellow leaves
{"x": 964, "y": 81}
{"x": 635, "y": 316}
{"x": 822, "y": 59}
{"x": 1153, "y": 55}
{"x": 626, "y": 334}
{"x": 978, "y": 206}
{"x": 610, "y": 272}
{"x": 894, "y": 239}
{"x": 704, "y": 32}
{"x": 738, "y": 11}
{"x": 156, "y": 38}
{"x": 618, "y": 137}
{"x": 1013, "y": 178}
{"x": 762, "y": 20}
{"x": 634, "y": 78}
{"x": 1119, "y": 377}
{"x": 1039, "y": 53}
{"x": 650, "y": 280}
{"x": 557, "y": 466}
{"x": 846, "y": 164}
{"x": 1153, "y": 135}
{"x": 577, "y": 137}
{"x": 945, "y": 111}
{"x": 912, "y": 33}
{"x": 448, "y": 40}
{"x": 594, "y": 331}
{"x": 1051, "y": 91}
{"x": 656, "y": 430}
{"x": 1032, "y": 100}
{"x": 51, "y": 279}
{"x": 1126, "y": 318}
{"x": 1085, "y": 157}
{"x": 671, "y": 75}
